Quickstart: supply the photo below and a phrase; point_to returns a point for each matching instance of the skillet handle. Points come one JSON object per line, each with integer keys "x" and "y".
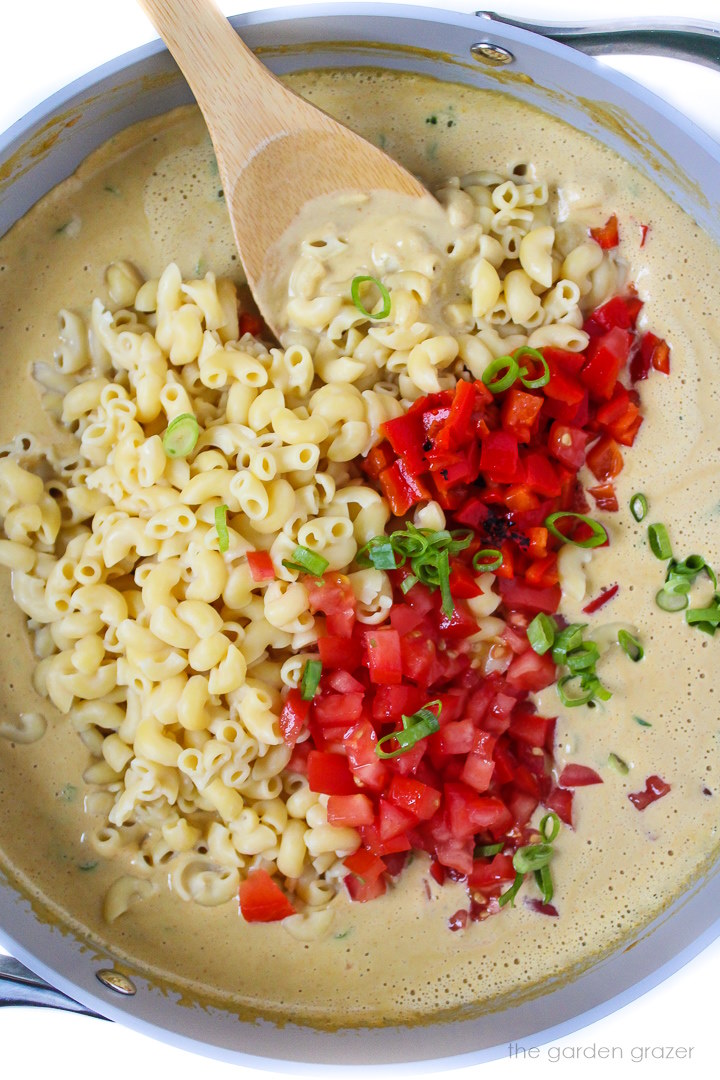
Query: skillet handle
{"x": 19, "y": 986}
{"x": 681, "y": 39}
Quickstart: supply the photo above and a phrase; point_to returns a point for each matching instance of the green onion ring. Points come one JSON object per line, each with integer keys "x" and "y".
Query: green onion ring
{"x": 494, "y": 557}
{"x": 552, "y": 817}
{"x": 181, "y": 436}
{"x": 541, "y": 633}
{"x": 659, "y": 541}
{"x": 587, "y": 691}
{"x": 543, "y": 878}
{"x": 355, "y": 295}
{"x": 306, "y": 561}
{"x": 509, "y": 895}
{"x": 532, "y": 857}
{"x": 630, "y": 645}
{"x": 542, "y": 380}
{"x": 639, "y": 506}
{"x": 599, "y": 533}
{"x": 671, "y": 601}
{"x": 501, "y": 363}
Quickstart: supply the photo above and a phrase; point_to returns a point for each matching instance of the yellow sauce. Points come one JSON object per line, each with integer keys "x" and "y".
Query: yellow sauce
{"x": 152, "y": 196}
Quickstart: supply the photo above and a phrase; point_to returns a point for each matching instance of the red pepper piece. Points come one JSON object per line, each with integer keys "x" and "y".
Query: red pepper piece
{"x": 606, "y": 356}
{"x": 401, "y": 489}
{"x": 578, "y": 776}
{"x": 261, "y": 900}
{"x": 499, "y": 458}
{"x": 250, "y": 323}
{"x": 379, "y": 458}
{"x": 655, "y": 788}
{"x": 604, "y": 459}
{"x": 601, "y": 600}
{"x": 406, "y": 436}
{"x": 261, "y": 566}
{"x": 605, "y": 496}
{"x": 607, "y": 235}
{"x": 294, "y": 717}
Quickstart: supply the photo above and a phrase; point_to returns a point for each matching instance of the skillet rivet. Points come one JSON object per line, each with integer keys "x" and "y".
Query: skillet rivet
{"x": 115, "y": 980}
{"x": 489, "y": 53}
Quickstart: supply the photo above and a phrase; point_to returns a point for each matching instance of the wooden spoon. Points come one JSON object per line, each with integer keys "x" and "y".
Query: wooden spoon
{"x": 275, "y": 152}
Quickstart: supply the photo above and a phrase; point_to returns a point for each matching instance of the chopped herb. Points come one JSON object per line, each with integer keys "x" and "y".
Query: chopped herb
{"x": 643, "y": 723}
{"x": 67, "y": 793}
{"x": 113, "y": 191}
{"x": 428, "y": 552}
{"x": 618, "y": 764}
{"x": 343, "y": 934}
{"x": 87, "y": 866}
{"x": 306, "y": 561}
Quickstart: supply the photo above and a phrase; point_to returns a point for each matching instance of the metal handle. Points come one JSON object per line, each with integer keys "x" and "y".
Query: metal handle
{"x": 19, "y": 986}
{"x": 689, "y": 39}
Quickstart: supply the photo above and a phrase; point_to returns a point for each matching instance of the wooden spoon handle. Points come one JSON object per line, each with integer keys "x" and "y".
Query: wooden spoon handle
{"x": 244, "y": 105}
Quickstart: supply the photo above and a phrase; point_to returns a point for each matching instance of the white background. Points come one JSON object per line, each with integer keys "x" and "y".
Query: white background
{"x": 43, "y": 45}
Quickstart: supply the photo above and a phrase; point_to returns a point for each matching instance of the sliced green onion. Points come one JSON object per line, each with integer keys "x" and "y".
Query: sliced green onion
{"x": 379, "y": 552}
{"x": 678, "y": 585}
{"x": 554, "y": 827}
{"x": 639, "y": 507}
{"x": 355, "y": 294}
{"x": 508, "y": 897}
{"x": 541, "y": 633}
{"x": 659, "y": 541}
{"x": 598, "y": 690}
{"x": 221, "y": 527}
{"x": 501, "y": 363}
{"x": 487, "y": 560}
{"x": 709, "y": 615}
{"x": 618, "y": 764}
{"x": 643, "y": 723}
{"x": 181, "y": 436}
{"x": 585, "y": 690}
{"x": 306, "y": 561}
{"x": 408, "y": 582}
{"x": 689, "y": 567}
{"x": 568, "y": 639}
{"x": 599, "y": 533}
{"x": 543, "y": 878}
{"x": 542, "y": 380}
{"x": 418, "y": 726}
{"x": 485, "y": 851}
{"x": 584, "y": 658}
{"x": 630, "y": 645}
{"x": 671, "y": 601}
{"x": 532, "y": 857}
{"x": 443, "y": 565}
{"x": 312, "y": 673}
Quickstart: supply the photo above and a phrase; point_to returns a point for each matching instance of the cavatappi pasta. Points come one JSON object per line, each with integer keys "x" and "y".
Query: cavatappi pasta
{"x": 161, "y": 650}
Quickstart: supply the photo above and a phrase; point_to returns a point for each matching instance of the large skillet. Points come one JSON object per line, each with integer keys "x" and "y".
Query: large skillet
{"x": 51, "y": 142}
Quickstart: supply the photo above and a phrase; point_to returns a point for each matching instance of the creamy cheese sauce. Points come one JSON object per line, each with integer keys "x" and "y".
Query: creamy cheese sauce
{"x": 152, "y": 195}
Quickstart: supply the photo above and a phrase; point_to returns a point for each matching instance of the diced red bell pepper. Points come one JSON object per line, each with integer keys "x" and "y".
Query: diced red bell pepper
{"x": 567, "y": 445}
{"x": 605, "y": 496}
{"x": 655, "y": 788}
{"x": 604, "y": 459}
{"x": 251, "y": 323}
{"x": 601, "y": 600}
{"x": 541, "y": 476}
{"x": 406, "y": 436}
{"x": 543, "y": 573}
{"x": 499, "y": 457}
{"x": 377, "y": 460}
{"x": 294, "y": 716}
{"x": 578, "y": 776}
{"x": 329, "y": 774}
{"x": 262, "y": 900}
{"x": 350, "y": 810}
{"x": 653, "y": 352}
{"x": 261, "y": 566}
{"x": 607, "y": 235}
{"x": 401, "y": 489}
{"x": 519, "y": 413}
{"x": 606, "y": 357}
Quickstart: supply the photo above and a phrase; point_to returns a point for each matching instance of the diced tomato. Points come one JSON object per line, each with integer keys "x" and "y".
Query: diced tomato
{"x": 393, "y": 820}
{"x": 460, "y": 624}
{"x": 479, "y": 765}
{"x": 463, "y": 585}
{"x": 261, "y": 566}
{"x": 655, "y": 788}
{"x": 360, "y": 743}
{"x": 517, "y": 594}
{"x": 333, "y": 595}
{"x": 578, "y": 776}
{"x": 456, "y": 737}
{"x": 362, "y": 891}
{"x": 262, "y": 900}
{"x": 373, "y": 841}
{"x": 384, "y": 656}
{"x": 419, "y": 800}
{"x": 391, "y": 702}
{"x": 531, "y": 728}
{"x": 329, "y": 774}
{"x": 405, "y": 618}
{"x": 607, "y": 235}
{"x": 294, "y": 716}
{"x": 350, "y": 810}
{"x": 531, "y": 672}
{"x": 339, "y": 652}
{"x": 336, "y": 710}
{"x": 342, "y": 682}
{"x": 486, "y": 874}
{"x": 560, "y": 800}
{"x": 365, "y": 865}
{"x": 470, "y": 813}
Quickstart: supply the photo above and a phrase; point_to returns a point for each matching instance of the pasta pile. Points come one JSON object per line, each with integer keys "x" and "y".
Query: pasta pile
{"x": 162, "y": 651}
